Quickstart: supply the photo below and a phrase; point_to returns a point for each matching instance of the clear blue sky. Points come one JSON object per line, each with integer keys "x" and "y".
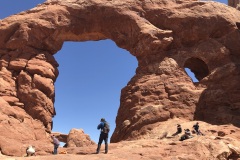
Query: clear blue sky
{"x": 91, "y": 77}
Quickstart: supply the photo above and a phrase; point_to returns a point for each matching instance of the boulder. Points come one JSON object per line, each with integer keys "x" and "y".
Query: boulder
{"x": 77, "y": 138}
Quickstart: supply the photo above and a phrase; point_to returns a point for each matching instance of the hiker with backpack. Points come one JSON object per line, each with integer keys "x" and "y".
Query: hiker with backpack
{"x": 104, "y": 126}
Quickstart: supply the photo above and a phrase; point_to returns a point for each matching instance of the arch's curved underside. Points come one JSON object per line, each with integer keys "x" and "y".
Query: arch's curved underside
{"x": 164, "y": 35}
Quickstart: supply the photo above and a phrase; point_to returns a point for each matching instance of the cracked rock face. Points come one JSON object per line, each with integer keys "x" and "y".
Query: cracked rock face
{"x": 165, "y": 36}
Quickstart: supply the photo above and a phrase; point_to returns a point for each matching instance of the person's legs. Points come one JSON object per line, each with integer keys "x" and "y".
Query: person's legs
{"x": 99, "y": 142}
{"x": 106, "y": 144}
{"x": 197, "y": 131}
{"x": 55, "y": 149}
{"x": 183, "y": 137}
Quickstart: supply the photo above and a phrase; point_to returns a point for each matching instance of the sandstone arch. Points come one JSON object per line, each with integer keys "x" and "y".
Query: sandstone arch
{"x": 162, "y": 34}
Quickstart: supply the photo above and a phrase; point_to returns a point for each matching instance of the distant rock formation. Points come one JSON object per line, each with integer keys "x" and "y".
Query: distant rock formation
{"x": 77, "y": 138}
{"x": 165, "y": 36}
{"x": 60, "y": 136}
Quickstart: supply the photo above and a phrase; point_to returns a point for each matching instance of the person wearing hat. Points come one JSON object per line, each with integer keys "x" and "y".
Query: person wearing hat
{"x": 104, "y": 127}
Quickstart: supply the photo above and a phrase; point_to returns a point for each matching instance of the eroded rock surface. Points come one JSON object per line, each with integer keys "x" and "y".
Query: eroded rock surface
{"x": 60, "y": 136}
{"x": 157, "y": 147}
{"x": 19, "y": 130}
{"x": 234, "y": 3}
{"x": 166, "y": 36}
{"x": 77, "y": 138}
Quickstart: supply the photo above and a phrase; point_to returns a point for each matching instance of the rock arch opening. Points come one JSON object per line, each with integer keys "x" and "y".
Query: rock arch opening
{"x": 91, "y": 76}
{"x": 198, "y": 67}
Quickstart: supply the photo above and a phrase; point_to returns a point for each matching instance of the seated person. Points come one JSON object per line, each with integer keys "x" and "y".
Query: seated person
{"x": 179, "y": 130}
{"x": 30, "y": 151}
{"x": 197, "y": 130}
{"x": 186, "y": 135}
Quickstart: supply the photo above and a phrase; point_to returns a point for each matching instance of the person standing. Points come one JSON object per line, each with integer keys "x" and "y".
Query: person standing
{"x": 104, "y": 127}
{"x": 55, "y": 143}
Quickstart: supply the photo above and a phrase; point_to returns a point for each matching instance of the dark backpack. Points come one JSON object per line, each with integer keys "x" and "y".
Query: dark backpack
{"x": 106, "y": 127}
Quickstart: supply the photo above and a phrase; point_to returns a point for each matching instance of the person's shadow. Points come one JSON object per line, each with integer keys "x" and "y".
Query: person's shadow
{"x": 174, "y": 134}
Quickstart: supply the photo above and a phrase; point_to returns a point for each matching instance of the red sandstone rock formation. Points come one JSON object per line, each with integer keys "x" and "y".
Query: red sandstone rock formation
{"x": 165, "y": 36}
{"x": 234, "y": 3}
{"x": 19, "y": 130}
{"x": 217, "y": 144}
{"x": 77, "y": 138}
{"x": 60, "y": 136}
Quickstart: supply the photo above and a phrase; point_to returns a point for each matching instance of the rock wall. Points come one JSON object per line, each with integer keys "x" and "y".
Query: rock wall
{"x": 165, "y": 36}
{"x": 233, "y": 3}
{"x": 18, "y": 130}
